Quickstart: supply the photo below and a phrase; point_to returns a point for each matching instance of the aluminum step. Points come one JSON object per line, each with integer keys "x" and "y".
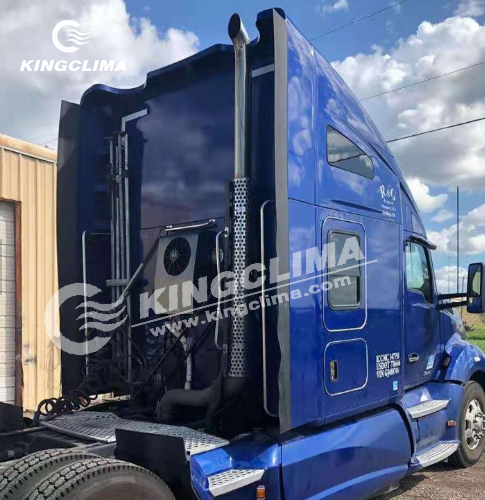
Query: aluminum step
{"x": 101, "y": 427}
{"x": 436, "y": 454}
{"x": 428, "y": 408}
{"x": 233, "y": 479}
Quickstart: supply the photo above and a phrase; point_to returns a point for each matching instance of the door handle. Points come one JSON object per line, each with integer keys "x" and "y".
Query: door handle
{"x": 333, "y": 371}
{"x": 413, "y": 357}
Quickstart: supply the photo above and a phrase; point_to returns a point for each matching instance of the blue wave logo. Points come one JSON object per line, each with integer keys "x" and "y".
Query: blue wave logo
{"x": 104, "y": 318}
{"x": 101, "y": 316}
{"x": 75, "y": 36}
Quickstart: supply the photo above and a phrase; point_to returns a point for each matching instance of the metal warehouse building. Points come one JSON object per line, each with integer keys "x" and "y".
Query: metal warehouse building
{"x": 29, "y": 362}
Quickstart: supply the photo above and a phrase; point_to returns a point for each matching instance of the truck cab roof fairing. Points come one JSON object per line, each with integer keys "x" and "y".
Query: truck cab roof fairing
{"x": 170, "y": 73}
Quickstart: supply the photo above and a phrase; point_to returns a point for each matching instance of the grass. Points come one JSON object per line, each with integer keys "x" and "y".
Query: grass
{"x": 478, "y": 343}
{"x": 475, "y": 329}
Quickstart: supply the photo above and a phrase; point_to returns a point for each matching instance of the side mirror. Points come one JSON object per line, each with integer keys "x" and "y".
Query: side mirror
{"x": 475, "y": 296}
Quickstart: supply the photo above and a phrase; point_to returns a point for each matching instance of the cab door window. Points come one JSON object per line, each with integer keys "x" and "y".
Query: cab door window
{"x": 347, "y": 274}
{"x": 418, "y": 270}
{"x": 344, "y": 288}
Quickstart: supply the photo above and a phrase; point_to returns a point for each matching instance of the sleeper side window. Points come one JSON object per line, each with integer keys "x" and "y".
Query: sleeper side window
{"x": 344, "y": 269}
{"x": 418, "y": 271}
{"x": 343, "y": 153}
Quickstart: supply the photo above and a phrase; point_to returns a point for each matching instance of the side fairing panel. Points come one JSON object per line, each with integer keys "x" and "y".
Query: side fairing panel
{"x": 352, "y": 460}
{"x": 253, "y": 451}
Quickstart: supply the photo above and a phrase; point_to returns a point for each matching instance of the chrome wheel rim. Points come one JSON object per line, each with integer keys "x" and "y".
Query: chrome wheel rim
{"x": 474, "y": 424}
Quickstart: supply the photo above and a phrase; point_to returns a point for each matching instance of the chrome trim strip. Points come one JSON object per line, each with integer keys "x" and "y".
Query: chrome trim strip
{"x": 225, "y": 231}
{"x": 189, "y": 227}
{"x": 133, "y": 116}
{"x": 262, "y": 71}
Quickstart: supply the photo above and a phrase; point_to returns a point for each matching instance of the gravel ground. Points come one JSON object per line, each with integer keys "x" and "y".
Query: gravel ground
{"x": 442, "y": 482}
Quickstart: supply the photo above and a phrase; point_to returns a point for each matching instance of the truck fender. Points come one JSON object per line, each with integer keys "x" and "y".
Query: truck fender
{"x": 467, "y": 362}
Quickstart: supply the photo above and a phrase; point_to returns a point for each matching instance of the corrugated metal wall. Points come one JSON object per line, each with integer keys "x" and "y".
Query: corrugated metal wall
{"x": 8, "y": 312}
{"x": 28, "y": 178}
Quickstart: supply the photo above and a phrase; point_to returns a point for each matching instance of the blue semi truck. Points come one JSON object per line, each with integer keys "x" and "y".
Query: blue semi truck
{"x": 339, "y": 369}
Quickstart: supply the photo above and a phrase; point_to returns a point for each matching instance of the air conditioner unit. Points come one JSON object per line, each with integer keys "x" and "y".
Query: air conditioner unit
{"x": 180, "y": 258}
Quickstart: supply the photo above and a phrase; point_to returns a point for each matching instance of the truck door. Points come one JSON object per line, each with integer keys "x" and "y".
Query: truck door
{"x": 361, "y": 314}
{"x": 421, "y": 319}
{"x": 346, "y": 356}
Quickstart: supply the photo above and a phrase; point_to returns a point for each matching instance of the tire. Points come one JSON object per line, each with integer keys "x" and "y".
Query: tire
{"x": 471, "y": 444}
{"x": 101, "y": 479}
{"x": 18, "y": 479}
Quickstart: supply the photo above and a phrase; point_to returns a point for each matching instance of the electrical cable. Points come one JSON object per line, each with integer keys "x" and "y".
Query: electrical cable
{"x": 447, "y": 127}
{"x": 355, "y": 21}
{"x": 423, "y": 81}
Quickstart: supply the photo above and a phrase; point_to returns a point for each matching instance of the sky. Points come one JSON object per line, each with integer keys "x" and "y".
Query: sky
{"x": 403, "y": 44}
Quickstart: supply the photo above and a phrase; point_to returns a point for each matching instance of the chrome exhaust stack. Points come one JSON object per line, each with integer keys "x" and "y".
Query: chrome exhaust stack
{"x": 239, "y": 342}
{"x": 240, "y": 39}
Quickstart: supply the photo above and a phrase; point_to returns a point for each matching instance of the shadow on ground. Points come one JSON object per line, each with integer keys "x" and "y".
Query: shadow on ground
{"x": 442, "y": 482}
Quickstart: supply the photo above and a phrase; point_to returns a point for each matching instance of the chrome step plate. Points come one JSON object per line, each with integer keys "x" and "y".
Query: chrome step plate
{"x": 428, "y": 408}
{"x": 101, "y": 426}
{"x": 233, "y": 479}
{"x": 435, "y": 454}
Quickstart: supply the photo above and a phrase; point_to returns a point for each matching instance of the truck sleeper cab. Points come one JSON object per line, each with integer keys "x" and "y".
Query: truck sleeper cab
{"x": 348, "y": 371}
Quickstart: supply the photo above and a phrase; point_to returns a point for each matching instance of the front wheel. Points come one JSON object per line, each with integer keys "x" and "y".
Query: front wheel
{"x": 471, "y": 427}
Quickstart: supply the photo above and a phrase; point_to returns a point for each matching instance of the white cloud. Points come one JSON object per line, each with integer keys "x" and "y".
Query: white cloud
{"x": 331, "y": 8}
{"x": 446, "y": 279}
{"x": 472, "y": 234}
{"x": 473, "y": 8}
{"x": 476, "y": 217}
{"x": 426, "y": 202}
{"x": 446, "y": 158}
{"x": 30, "y": 102}
{"x": 443, "y": 215}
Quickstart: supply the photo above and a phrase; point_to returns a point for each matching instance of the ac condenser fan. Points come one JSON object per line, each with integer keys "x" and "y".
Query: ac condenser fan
{"x": 177, "y": 256}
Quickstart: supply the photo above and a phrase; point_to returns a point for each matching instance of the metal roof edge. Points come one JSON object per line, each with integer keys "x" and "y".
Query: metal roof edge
{"x": 27, "y": 148}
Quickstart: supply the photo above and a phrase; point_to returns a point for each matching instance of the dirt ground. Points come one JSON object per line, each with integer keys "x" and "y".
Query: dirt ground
{"x": 442, "y": 482}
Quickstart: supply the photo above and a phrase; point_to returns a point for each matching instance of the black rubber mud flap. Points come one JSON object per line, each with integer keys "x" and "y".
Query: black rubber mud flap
{"x": 163, "y": 455}
{"x": 11, "y": 417}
